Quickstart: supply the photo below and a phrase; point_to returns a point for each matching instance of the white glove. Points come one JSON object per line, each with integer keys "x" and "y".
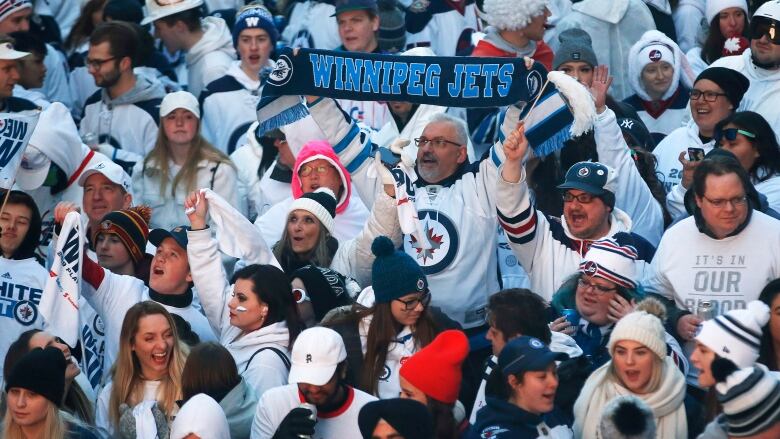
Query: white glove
{"x": 406, "y": 149}
{"x": 384, "y": 174}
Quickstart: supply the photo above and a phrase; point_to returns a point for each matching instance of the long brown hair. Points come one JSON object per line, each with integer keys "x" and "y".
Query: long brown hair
{"x": 200, "y": 149}
{"x": 83, "y": 27}
{"x": 321, "y": 255}
{"x": 127, "y": 384}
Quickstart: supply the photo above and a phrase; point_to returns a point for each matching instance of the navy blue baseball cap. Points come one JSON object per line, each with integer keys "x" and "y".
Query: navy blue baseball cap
{"x": 591, "y": 177}
{"x": 524, "y": 353}
{"x": 355, "y": 5}
{"x": 179, "y": 234}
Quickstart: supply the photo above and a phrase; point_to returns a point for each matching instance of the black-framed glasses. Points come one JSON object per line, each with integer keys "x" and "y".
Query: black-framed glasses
{"x": 730, "y": 134}
{"x": 96, "y": 64}
{"x": 709, "y": 96}
{"x": 760, "y": 26}
{"x": 583, "y": 198}
{"x": 436, "y": 143}
{"x": 300, "y": 296}
{"x": 720, "y": 203}
{"x": 585, "y": 285}
{"x": 307, "y": 170}
{"x": 424, "y": 299}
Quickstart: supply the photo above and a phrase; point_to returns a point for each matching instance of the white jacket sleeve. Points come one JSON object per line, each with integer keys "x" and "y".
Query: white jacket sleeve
{"x": 209, "y": 278}
{"x": 675, "y": 203}
{"x": 655, "y": 280}
{"x": 354, "y": 258}
{"x": 488, "y": 168}
{"x": 633, "y": 195}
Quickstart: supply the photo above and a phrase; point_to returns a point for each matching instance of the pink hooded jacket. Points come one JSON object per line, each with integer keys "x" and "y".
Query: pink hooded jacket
{"x": 321, "y": 149}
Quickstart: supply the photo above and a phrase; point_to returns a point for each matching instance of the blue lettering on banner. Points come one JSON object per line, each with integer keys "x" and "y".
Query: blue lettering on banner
{"x": 432, "y": 80}
{"x": 352, "y": 80}
{"x": 339, "y": 85}
{"x": 321, "y": 69}
{"x": 415, "y": 88}
{"x": 93, "y": 359}
{"x": 505, "y": 73}
{"x": 372, "y": 69}
{"x": 8, "y": 150}
{"x": 400, "y": 72}
{"x": 454, "y": 88}
{"x": 489, "y": 71}
{"x": 386, "y": 67}
{"x": 470, "y": 89}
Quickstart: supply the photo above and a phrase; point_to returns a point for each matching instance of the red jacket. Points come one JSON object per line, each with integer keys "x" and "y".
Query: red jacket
{"x": 543, "y": 53}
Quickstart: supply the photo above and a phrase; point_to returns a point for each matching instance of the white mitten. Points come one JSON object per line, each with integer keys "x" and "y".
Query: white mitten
{"x": 384, "y": 174}
{"x": 406, "y": 149}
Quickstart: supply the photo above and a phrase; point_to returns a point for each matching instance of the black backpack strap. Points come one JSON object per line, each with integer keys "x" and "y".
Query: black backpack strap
{"x": 214, "y": 177}
{"x": 278, "y": 352}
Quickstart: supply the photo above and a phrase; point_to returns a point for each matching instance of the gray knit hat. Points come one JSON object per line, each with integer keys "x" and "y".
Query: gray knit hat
{"x": 576, "y": 45}
{"x": 627, "y": 417}
{"x": 392, "y": 28}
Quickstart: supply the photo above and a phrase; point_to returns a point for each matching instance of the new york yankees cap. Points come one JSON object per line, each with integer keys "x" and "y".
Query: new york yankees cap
{"x": 316, "y": 354}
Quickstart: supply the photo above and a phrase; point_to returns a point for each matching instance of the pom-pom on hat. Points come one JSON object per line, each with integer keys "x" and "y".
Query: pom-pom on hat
{"x": 611, "y": 261}
{"x": 131, "y": 226}
{"x": 436, "y": 368}
{"x": 736, "y": 335}
{"x": 627, "y": 417}
{"x": 255, "y": 17}
{"x": 575, "y": 45}
{"x": 394, "y": 274}
{"x": 750, "y": 398}
{"x": 321, "y": 203}
{"x": 642, "y": 327}
{"x": 41, "y": 371}
{"x": 512, "y": 15}
{"x": 733, "y": 83}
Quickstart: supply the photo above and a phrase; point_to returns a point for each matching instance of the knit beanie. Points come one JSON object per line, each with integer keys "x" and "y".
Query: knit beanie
{"x": 627, "y": 417}
{"x": 8, "y": 7}
{"x": 715, "y": 6}
{"x": 131, "y": 226}
{"x": 255, "y": 17}
{"x": 321, "y": 203}
{"x": 41, "y": 371}
{"x": 733, "y": 83}
{"x": 642, "y": 327}
{"x": 736, "y": 335}
{"x": 436, "y": 368}
{"x": 611, "y": 261}
{"x": 326, "y": 288}
{"x": 575, "y": 45}
{"x": 511, "y": 14}
{"x": 410, "y": 418}
{"x": 394, "y": 274}
{"x": 750, "y": 397}
{"x": 655, "y": 47}
{"x": 392, "y": 28}
{"x": 124, "y": 10}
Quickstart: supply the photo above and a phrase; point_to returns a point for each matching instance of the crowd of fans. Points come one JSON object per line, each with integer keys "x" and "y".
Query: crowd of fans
{"x": 245, "y": 284}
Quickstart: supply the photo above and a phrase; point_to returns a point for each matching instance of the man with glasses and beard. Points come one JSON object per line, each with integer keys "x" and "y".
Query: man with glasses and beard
{"x": 122, "y": 117}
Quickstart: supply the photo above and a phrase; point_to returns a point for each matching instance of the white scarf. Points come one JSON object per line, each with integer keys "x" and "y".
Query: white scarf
{"x": 666, "y": 402}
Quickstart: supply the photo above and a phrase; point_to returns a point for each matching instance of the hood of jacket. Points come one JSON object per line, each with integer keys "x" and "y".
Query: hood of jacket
{"x": 239, "y": 75}
{"x": 320, "y": 149}
{"x": 56, "y": 136}
{"x": 610, "y": 11}
{"x": 216, "y": 38}
{"x": 239, "y": 407}
{"x": 493, "y": 37}
{"x": 275, "y": 333}
{"x": 146, "y": 87}
{"x": 202, "y": 416}
{"x": 682, "y": 69}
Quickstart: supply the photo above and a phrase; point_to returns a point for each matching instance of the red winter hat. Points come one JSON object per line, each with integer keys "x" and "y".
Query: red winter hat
{"x": 436, "y": 368}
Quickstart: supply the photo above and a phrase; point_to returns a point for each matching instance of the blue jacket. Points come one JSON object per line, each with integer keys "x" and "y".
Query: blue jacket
{"x": 501, "y": 419}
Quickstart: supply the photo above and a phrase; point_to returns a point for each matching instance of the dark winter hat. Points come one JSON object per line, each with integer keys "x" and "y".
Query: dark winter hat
{"x": 354, "y": 5}
{"x": 637, "y": 133}
{"x": 733, "y": 83}
{"x": 124, "y": 10}
{"x": 524, "y": 353}
{"x": 394, "y": 273}
{"x": 627, "y": 417}
{"x": 179, "y": 234}
{"x": 327, "y": 289}
{"x": 321, "y": 203}
{"x": 576, "y": 45}
{"x": 409, "y": 418}
{"x": 750, "y": 397}
{"x": 41, "y": 371}
{"x": 131, "y": 226}
{"x": 392, "y": 28}
{"x": 255, "y": 17}
{"x": 594, "y": 178}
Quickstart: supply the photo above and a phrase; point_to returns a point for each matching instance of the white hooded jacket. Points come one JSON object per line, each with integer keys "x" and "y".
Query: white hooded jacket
{"x": 667, "y": 153}
{"x": 209, "y": 58}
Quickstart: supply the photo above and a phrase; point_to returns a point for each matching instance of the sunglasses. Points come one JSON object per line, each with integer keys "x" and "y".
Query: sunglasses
{"x": 730, "y": 134}
{"x": 761, "y": 26}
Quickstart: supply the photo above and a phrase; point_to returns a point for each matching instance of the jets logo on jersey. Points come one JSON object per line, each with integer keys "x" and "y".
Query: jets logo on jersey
{"x": 25, "y": 312}
{"x": 441, "y": 234}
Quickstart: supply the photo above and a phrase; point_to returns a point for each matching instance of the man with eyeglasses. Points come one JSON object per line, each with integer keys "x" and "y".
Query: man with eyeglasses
{"x": 761, "y": 63}
{"x": 122, "y": 117}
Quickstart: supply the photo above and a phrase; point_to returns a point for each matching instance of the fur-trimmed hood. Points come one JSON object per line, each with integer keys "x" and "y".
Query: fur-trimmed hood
{"x": 683, "y": 73}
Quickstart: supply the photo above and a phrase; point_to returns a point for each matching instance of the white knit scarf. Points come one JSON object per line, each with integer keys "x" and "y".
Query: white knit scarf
{"x": 666, "y": 402}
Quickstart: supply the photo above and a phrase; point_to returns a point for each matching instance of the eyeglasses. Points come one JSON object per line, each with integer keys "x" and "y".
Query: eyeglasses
{"x": 584, "y": 198}
{"x": 585, "y": 285}
{"x": 730, "y": 134}
{"x": 96, "y": 64}
{"x": 436, "y": 143}
{"x": 721, "y": 202}
{"x": 709, "y": 96}
{"x": 424, "y": 299}
{"x": 306, "y": 170}
{"x": 760, "y": 26}
{"x": 300, "y": 296}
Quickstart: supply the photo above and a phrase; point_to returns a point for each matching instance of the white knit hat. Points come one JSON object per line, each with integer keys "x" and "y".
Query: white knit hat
{"x": 736, "y": 335}
{"x": 715, "y": 6}
{"x": 609, "y": 260}
{"x": 321, "y": 203}
{"x": 643, "y": 328}
{"x": 512, "y": 14}
{"x": 654, "y": 46}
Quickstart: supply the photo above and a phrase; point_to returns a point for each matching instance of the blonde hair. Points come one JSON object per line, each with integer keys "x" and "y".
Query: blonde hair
{"x": 127, "y": 384}
{"x": 53, "y": 428}
{"x": 200, "y": 149}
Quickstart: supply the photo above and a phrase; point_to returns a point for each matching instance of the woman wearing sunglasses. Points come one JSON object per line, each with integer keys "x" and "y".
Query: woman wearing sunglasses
{"x": 391, "y": 320}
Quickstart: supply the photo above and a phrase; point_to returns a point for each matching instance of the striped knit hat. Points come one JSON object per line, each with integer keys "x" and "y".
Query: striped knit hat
{"x": 736, "y": 335}
{"x": 8, "y": 7}
{"x": 131, "y": 226}
{"x": 611, "y": 261}
{"x": 750, "y": 399}
{"x": 321, "y": 203}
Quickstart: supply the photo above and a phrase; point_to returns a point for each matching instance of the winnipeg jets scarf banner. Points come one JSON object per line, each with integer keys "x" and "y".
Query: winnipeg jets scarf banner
{"x": 60, "y": 302}
{"x": 445, "y": 81}
{"x": 15, "y": 131}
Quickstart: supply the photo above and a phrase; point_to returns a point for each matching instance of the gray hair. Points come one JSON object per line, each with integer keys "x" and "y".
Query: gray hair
{"x": 461, "y": 130}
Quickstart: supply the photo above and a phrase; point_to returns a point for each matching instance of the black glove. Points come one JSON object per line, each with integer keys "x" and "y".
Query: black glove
{"x": 298, "y": 422}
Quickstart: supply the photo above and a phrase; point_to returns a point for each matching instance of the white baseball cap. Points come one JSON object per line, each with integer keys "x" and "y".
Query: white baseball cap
{"x": 179, "y": 99}
{"x": 7, "y": 52}
{"x": 316, "y": 354}
{"x": 33, "y": 169}
{"x": 157, "y": 9}
{"x": 111, "y": 171}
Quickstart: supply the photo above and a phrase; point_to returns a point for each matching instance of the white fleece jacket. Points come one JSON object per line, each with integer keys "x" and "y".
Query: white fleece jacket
{"x": 210, "y": 57}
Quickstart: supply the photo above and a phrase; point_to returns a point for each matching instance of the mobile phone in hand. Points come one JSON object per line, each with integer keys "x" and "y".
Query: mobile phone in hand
{"x": 695, "y": 154}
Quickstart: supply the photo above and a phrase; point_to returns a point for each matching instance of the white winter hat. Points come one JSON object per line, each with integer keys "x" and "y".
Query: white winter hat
{"x": 179, "y": 99}
{"x": 321, "y": 203}
{"x": 643, "y": 328}
{"x": 654, "y": 46}
{"x": 201, "y": 415}
{"x": 736, "y": 335}
{"x": 715, "y": 6}
{"x": 512, "y": 14}
{"x": 157, "y": 9}
{"x": 611, "y": 261}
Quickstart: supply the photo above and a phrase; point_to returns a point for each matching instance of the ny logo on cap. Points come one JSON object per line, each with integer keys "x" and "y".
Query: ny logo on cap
{"x": 627, "y": 123}
{"x": 308, "y": 358}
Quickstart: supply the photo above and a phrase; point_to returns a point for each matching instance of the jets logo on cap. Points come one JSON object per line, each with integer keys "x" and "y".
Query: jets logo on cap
{"x": 654, "y": 55}
{"x": 590, "y": 268}
{"x": 105, "y": 225}
{"x": 583, "y": 171}
{"x": 420, "y": 284}
{"x": 536, "y": 344}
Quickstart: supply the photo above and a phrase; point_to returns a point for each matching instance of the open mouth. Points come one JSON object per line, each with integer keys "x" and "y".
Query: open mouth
{"x": 160, "y": 358}
{"x": 157, "y": 271}
{"x": 632, "y": 375}
{"x": 578, "y": 220}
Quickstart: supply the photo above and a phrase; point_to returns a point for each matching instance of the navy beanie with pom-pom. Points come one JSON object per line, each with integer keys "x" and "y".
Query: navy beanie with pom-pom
{"x": 394, "y": 273}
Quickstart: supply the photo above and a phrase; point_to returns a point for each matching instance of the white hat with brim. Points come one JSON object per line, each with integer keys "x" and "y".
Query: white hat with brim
{"x": 111, "y": 171}
{"x": 156, "y": 11}
{"x": 316, "y": 355}
{"x": 8, "y": 52}
{"x": 179, "y": 99}
{"x": 33, "y": 169}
